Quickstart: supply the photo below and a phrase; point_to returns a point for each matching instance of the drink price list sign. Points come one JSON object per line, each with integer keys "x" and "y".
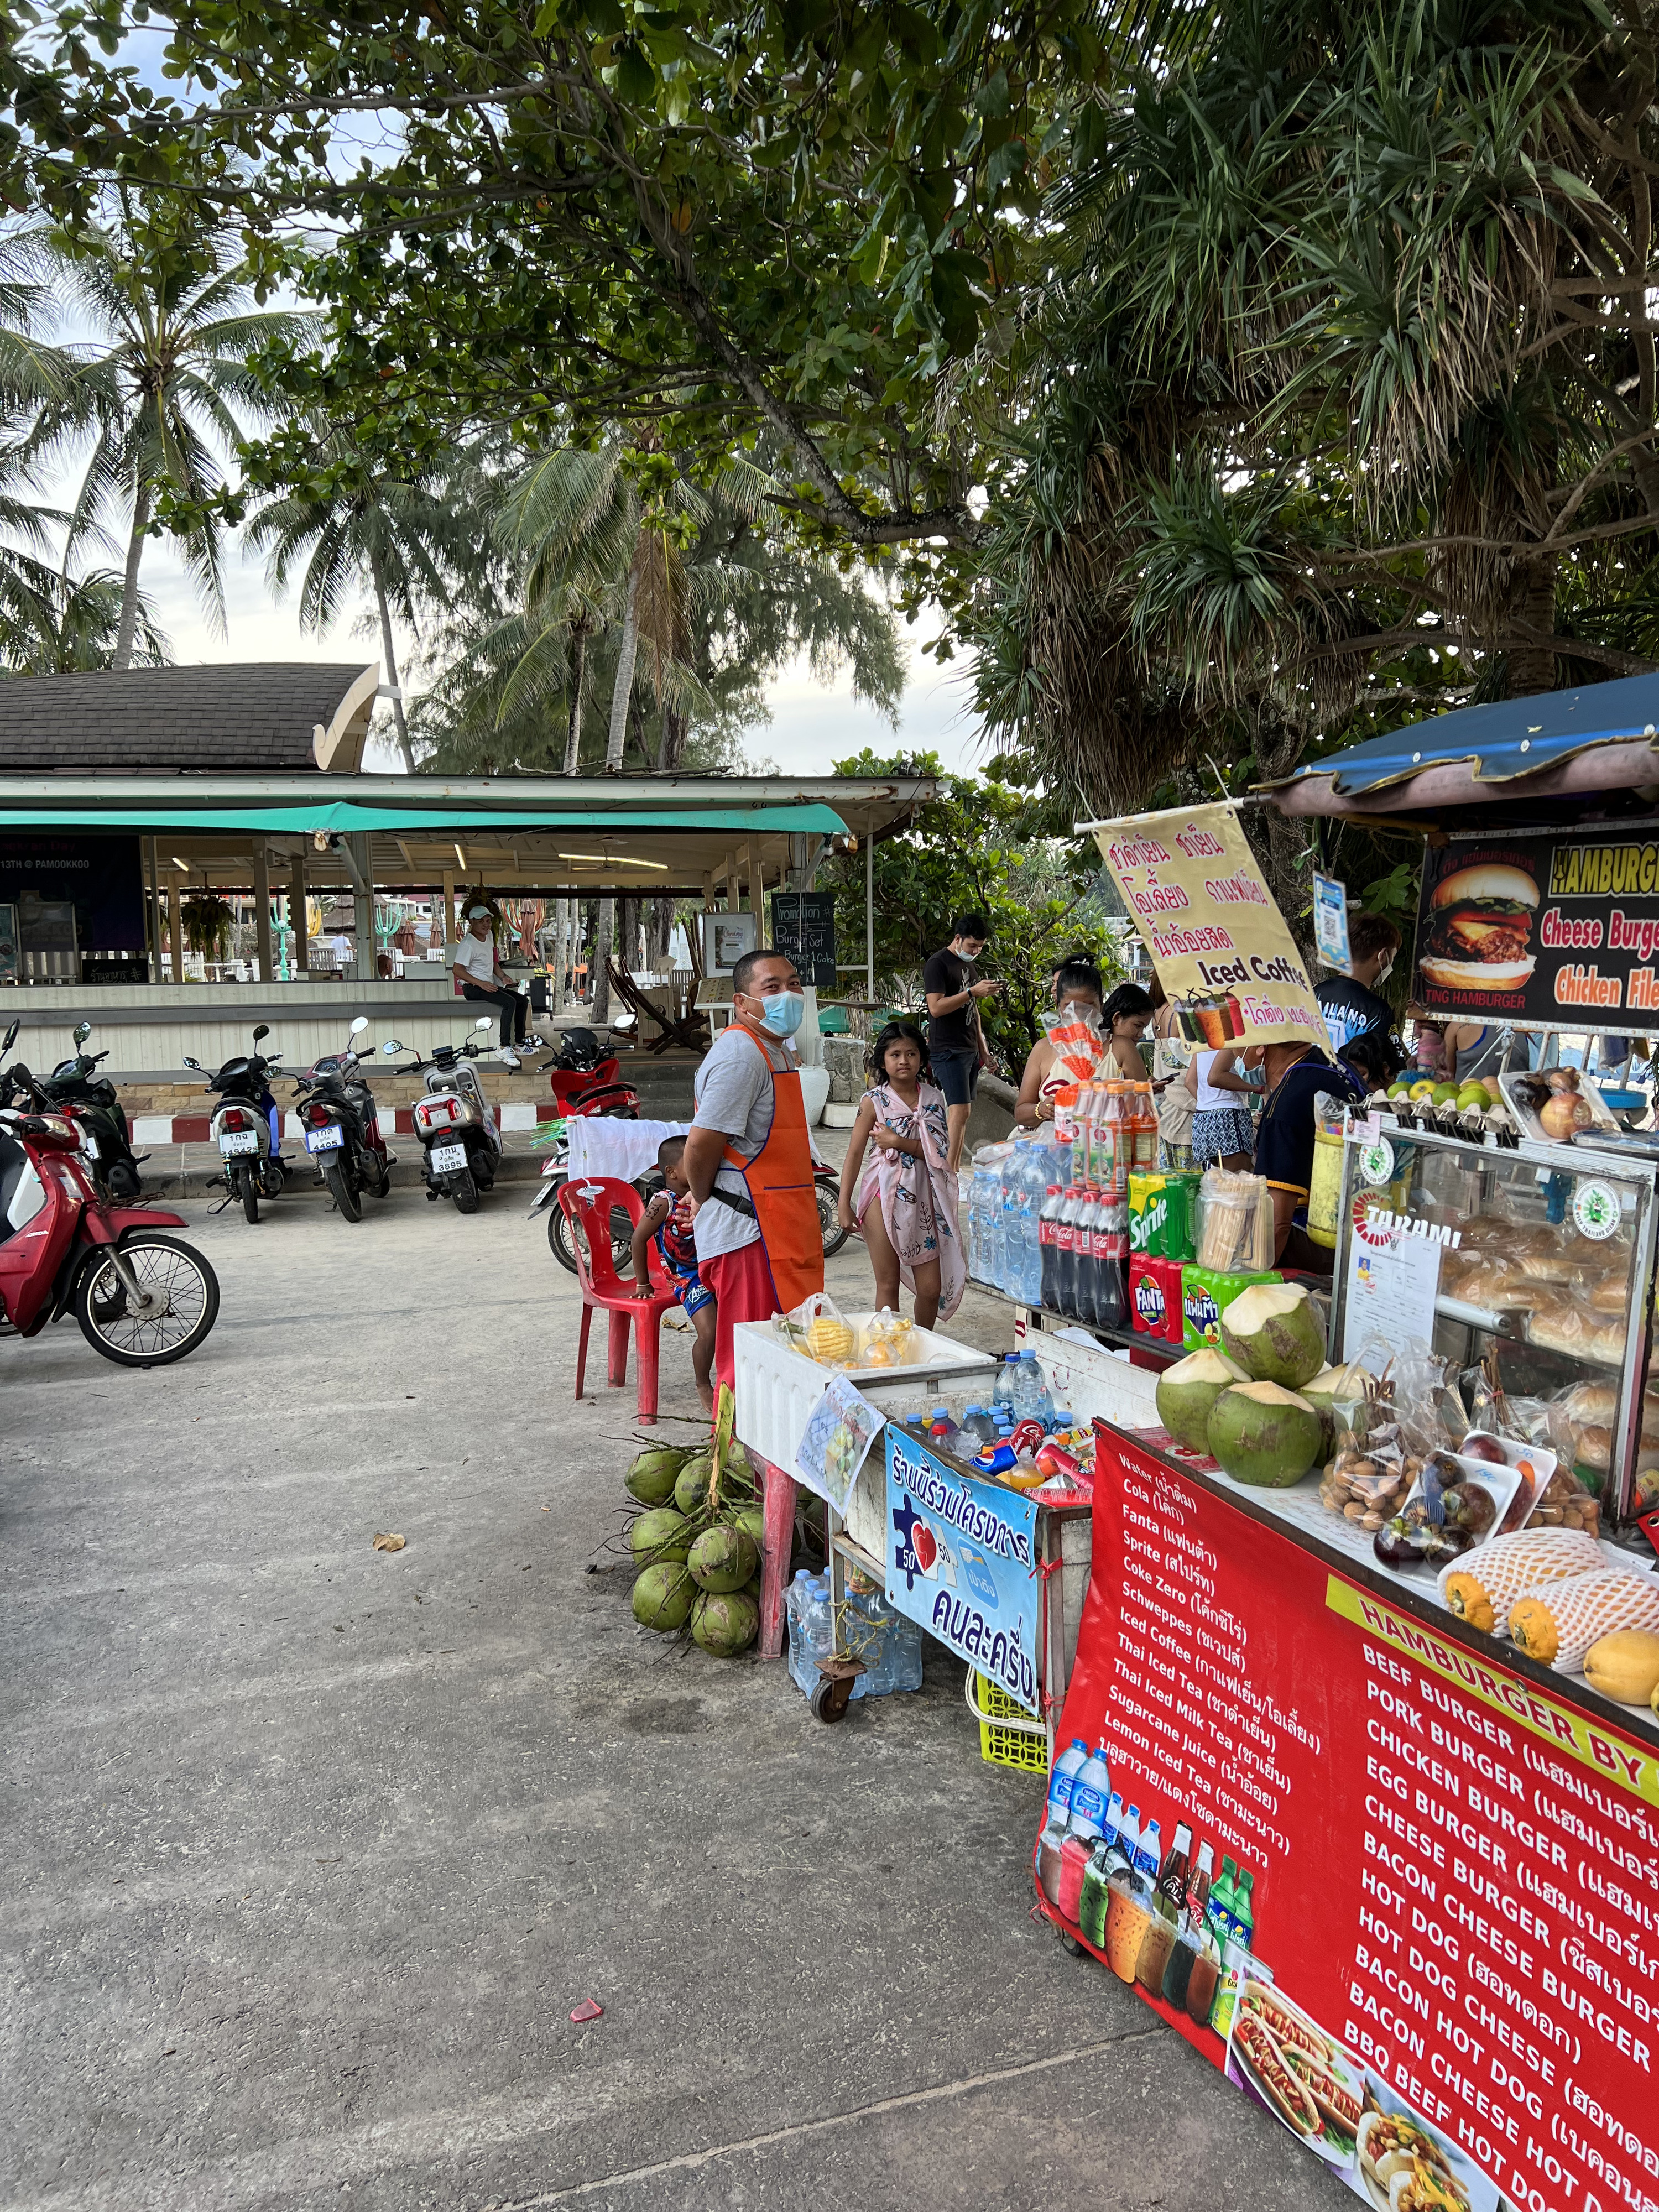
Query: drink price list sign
{"x": 1406, "y": 1898}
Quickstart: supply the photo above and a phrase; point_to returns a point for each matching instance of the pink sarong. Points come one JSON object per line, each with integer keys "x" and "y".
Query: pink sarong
{"x": 918, "y": 1197}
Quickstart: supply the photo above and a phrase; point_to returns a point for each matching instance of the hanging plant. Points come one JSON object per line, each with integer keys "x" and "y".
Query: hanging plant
{"x": 207, "y": 919}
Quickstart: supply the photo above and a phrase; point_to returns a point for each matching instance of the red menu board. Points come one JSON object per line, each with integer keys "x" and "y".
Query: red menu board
{"x": 1441, "y": 1974}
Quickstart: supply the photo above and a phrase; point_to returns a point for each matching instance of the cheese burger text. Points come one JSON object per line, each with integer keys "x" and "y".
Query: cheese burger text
{"x": 1481, "y": 928}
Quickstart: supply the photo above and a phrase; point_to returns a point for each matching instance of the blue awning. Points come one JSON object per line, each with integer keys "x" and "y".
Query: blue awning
{"x": 1509, "y": 739}
{"x": 439, "y": 819}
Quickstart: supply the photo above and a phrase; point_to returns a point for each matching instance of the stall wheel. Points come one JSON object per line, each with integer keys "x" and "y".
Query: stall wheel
{"x": 834, "y": 1693}
{"x": 1068, "y": 1942}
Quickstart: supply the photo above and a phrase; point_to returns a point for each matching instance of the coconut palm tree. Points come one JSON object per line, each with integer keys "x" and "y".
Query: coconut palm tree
{"x": 54, "y": 624}
{"x": 364, "y": 522}
{"x": 161, "y": 390}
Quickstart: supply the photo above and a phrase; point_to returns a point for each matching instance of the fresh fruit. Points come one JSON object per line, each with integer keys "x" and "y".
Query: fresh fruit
{"x": 1261, "y": 1433}
{"x": 653, "y": 1473}
{"x": 831, "y": 1341}
{"x": 1472, "y": 1096}
{"x": 752, "y": 1519}
{"x": 725, "y": 1622}
{"x": 1564, "y": 1113}
{"x": 1400, "y": 1089}
{"x": 722, "y": 1558}
{"x": 1484, "y": 1448}
{"x": 663, "y": 1597}
{"x": 1508, "y": 1566}
{"x": 1557, "y": 1626}
{"x": 691, "y": 1491}
{"x": 662, "y": 1534}
{"x": 1422, "y": 1088}
{"x": 1187, "y": 1391}
{"x": 1625, "y": 1666}
{"x": 1274, "y": 1333}
{"x": 1444, "y": 1094}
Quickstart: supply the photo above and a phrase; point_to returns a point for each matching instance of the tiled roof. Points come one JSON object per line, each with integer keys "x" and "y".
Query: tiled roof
{"x": 243, "y": 715}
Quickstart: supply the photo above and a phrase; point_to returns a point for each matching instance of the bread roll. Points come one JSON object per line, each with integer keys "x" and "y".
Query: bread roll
{"x": 1610, "y": 1294}
{"x": 1561, "y": 1326}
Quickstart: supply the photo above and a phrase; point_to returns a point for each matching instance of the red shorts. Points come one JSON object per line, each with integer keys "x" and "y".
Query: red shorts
{"x": 742, "y": 1284}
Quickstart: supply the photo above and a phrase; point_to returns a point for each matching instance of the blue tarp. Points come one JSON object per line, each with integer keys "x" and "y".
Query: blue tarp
{"x": 1510, "y": 737}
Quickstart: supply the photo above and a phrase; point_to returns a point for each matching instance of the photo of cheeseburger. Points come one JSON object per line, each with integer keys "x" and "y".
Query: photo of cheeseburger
{"x": 1480, "y": 922}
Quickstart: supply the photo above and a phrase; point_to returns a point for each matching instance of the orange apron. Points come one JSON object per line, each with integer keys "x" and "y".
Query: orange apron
{"x": 779, "y": 1180}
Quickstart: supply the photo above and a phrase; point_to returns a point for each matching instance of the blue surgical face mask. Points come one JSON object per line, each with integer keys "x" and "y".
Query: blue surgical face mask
{"x": 783, "y": 1012}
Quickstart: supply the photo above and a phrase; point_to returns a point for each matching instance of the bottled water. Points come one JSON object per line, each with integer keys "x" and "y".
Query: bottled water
{"x": 1031, "y": 1400}
{"x": 812, "y": 1628}
{"x": 1149, "y": 1850}
{"x": 1128, "y": 1833}
{"x": 1091, "y": 1793}
{"x": 1059, "y": 1783}
{"x": 978, "y": 1424}
{"x": 1002, "y": 1394}
{"x": 889, "y": 1644}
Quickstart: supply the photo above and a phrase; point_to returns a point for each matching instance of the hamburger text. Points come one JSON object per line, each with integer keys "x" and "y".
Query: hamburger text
{"x": 1603, "y": 870}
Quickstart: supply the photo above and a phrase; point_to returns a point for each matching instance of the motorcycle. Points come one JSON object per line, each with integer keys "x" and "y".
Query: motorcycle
{"x": 142, "y": 1298}
{"x": 342, "y": 1128}
{"x": 91, "y": 1100}
{"x": 455, "y": 1121}
{"x": 556, "y": 1172}
{"x": 246, "y": 1127}
{"x": 584, "y": 1079}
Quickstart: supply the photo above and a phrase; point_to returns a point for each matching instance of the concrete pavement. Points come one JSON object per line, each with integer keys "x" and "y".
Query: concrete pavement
{"x": 311, "y": 1851}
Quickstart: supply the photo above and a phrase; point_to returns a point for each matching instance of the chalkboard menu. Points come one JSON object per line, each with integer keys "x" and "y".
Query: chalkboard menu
{"x": 804, "y": 926}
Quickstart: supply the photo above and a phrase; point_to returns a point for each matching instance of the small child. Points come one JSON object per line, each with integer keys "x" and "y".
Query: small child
{"x": 905, "y": 1205}
{"x": 666, "y": 1222}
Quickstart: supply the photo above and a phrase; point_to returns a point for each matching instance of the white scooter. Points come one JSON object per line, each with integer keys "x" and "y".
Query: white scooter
{"x": 455, "y": 1121}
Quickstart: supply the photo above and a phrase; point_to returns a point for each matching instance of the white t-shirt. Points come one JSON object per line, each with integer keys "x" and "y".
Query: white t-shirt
{"x": 1210, "y": 1101}
{"x": 733, "y": 1093}
{"x": 475, "y": 958}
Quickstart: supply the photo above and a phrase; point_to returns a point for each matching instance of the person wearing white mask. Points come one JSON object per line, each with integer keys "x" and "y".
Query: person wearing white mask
{"x": 1351, "y": 1004}
{"x": 481, "y": 976}
{"x": 748, "y": 1160}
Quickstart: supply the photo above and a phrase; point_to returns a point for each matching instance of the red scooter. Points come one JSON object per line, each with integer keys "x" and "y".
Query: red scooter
{"x": 141, "y": 1299}
{"x": 584, "y": 1082}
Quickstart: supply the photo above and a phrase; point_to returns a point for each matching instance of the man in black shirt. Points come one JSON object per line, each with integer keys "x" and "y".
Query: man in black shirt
{"x": 953, "y": 1022}
{"x": 1350, "y": 1002}
{"x": 1297, "y": 1070}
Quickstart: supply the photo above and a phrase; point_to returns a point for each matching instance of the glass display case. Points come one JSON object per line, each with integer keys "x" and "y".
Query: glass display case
{"x": 1538, "y": 1260}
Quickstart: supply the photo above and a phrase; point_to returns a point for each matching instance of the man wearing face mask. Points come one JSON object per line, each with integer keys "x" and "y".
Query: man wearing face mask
{"x": 748, "y": 1160}
{"x": 1351, "y": 1004}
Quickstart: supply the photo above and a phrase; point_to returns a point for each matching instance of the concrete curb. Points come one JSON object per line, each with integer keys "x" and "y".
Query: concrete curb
{"x": 199, "y": 1178}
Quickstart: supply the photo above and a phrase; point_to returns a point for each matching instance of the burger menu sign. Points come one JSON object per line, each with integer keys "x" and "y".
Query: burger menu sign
{"x": 1557, "y": 929}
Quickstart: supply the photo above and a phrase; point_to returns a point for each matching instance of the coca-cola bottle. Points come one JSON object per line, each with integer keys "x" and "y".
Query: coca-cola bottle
{"x": 1048, "y": 1244}
{"x": 1066, "y": 1254}
{"x": 1111, "y": 1300}
{"x": 1083, "y": 1256}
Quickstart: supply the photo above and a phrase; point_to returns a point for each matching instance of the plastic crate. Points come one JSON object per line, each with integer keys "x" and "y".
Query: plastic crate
{"x": 1008, "y": 1736}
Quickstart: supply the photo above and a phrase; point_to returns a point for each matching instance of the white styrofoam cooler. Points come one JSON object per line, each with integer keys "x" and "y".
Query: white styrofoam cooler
{"x": 777, "y": 1386}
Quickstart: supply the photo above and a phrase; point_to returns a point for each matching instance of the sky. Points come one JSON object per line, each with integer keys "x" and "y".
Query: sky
{"x": 810, "y": 727}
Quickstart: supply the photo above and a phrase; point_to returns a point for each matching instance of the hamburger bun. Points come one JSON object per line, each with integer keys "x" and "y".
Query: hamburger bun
{"x": 1490, "y": 881}
{"x": 1479, "y": 974}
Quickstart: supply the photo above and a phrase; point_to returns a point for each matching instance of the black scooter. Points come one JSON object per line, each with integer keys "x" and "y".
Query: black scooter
{"x": 106, "y": 1138}
{"x": 247, "y": 1126}
{"x": 342, "y": 1128}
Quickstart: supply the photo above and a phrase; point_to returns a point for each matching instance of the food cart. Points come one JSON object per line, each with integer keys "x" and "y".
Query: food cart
{"x": 1374, "y": 1840}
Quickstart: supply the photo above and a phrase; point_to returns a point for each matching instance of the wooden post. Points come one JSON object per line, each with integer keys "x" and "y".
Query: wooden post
{"x": 757, "y": 888}
{"x": 449, "y": 906}
{"x": 869, "y": 920}
{"x": 733, "y": 901}
{"x": 176, "y": 929}
{"x": 363, "y": 891}
{"x": 298, "y": 921}
{"x": 262, "y": 912}
{"x": 155, "y": 912}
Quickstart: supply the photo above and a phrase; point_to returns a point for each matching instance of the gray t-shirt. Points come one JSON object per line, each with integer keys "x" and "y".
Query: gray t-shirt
{"x": 733, "y": 1089}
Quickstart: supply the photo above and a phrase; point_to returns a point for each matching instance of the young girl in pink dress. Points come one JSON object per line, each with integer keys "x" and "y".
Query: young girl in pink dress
{"x": 905, "y": 1203}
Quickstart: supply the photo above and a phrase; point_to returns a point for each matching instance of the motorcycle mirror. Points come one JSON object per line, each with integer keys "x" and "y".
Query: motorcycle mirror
{"x": 82, "y": 1032}
{"x": 263, "y": 1030}
{"x": 196, "y": 1064}
{"x": 390, "y": 1047}
{"x": 483, "y": 1022}
{"x": 11, "y": 1037}
{"x": 360, "y": 1025}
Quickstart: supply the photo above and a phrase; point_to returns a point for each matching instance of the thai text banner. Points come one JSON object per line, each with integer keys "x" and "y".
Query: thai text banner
{"x": 1192, "y": 885}
{"x": 962, "y": 1561}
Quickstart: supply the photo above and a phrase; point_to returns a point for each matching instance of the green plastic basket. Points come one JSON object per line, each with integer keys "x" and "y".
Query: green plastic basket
{"x": 1008, "y": 1736}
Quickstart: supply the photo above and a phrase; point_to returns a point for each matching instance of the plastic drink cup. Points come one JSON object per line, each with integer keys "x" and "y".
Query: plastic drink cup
{"x": 1129, "y": 1912}
{"x": 1177, "y": 1973}
{"x": 1202, "y": 1981}
{"x": 1155, "y": 1947}
{"x": 1074, "y": 1856}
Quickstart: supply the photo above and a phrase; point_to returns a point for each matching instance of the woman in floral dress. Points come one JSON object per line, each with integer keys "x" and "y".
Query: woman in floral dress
{"x": 905, "y": 1203}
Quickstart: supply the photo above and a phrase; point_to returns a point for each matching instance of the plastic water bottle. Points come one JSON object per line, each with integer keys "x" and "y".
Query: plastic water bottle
{"x": 1061, "y": 1778}
{"x": 1114, "y": 1826}
{"x": 978, "y": 1422}
{"x": 812, "y": 1628}
{"x": 942, "y": 1431}
{"x": 1128, "y": 1833}
{"x": 1042, "y": 1406}
{"x": 1091, "y": 1793}
{"x": 1002, "y": 1396}
{"x": 1149, "y": 1851}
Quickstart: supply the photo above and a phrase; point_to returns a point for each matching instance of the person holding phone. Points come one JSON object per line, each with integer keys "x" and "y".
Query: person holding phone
{"x": 953, "y": 1031}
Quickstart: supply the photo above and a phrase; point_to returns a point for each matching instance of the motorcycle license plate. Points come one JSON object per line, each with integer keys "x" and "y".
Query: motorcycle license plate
{"x": 239, "y": 1140}
{"x": 448, "y": 1159}
{"x": 326, "y": 1140}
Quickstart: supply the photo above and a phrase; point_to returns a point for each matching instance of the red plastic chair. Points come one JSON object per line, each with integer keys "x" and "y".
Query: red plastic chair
{"x": 588, "y": 1202}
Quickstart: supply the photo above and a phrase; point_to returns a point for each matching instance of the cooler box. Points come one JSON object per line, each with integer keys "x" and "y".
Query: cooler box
{"x": 1093, "y": 1382}
{"x": 776, "y": 1387}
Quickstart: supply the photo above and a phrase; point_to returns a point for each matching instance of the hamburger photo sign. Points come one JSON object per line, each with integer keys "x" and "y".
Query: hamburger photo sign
{"x": 1545, "y": 927}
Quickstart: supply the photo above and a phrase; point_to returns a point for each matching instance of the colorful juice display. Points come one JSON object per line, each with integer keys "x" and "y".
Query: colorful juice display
{"x": 1156, "y": 1945}
{"x": 1128, "y": 1915}
{"x": 1177, "y": 1975}
{"x": 1201, "y": 1985}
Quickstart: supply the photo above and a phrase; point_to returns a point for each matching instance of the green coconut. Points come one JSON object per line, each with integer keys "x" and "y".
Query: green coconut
{"x": 1187, "y": 1391}
{"x": 1264, "y": 1434}
{"x": 663, "y": 1597}
{"x": 752, "y": 1519}
{"x": 662, "y": 1534}
{"x": 725, "y": 1622}
{"x": 651, "y": 1477}
{"x": 1273, "y": 1333}
{"x": 722, "y": 1560}
{"x": 691, "y": 1491}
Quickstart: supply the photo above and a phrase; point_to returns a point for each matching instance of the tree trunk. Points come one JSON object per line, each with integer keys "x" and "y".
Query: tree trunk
{"x": 671, "y": 741}
{"x": 128, "y": 629}
{"x": 572, "y": 742}
{"x": 601, "y": 957}
{"x": 1531, "y": 668}
{"x": 622, "y": 690}
{"x": 388, "y": 653}
{"x": 1281, "y": 843}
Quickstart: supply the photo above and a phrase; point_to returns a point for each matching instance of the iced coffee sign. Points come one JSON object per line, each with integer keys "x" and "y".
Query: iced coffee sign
{"x": 1219, "y": 945}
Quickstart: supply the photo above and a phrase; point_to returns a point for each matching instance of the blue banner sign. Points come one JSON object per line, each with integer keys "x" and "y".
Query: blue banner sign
{"x": 962, "y": 1561}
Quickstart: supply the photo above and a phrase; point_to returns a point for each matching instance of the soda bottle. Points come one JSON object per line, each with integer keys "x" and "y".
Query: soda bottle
{"x": 1049, "y": 1232}
{"x": 1061, "y": 1778}
{"x": 1083, "y": 1142}
{"x": 1111, "y": 1264}
{"x": 1172, "y": 1874}
{"x": 1091, "y": 1793}
{"x": 1198, "y": 1888}
{"x": 1083, "y": 1256}
{"x": 1219, "y": 1911}
{"x": 1244, "y": 1909}
{"x": 1144, "y": 1119}
{"x": 1149, "y": 1850}
{"x": 1066, "y": 1254}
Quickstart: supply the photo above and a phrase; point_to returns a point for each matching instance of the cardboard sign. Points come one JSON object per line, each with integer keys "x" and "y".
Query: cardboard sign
{"x": 1448, "y": 1938}
{"x": 1552, "y": 929}
{"x": 1220, "y": 946}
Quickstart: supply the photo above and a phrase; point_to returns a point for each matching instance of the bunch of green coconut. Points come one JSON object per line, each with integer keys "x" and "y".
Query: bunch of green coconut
{"x": 696, "y": 1543}
{"x": 1261, "y": 1406}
